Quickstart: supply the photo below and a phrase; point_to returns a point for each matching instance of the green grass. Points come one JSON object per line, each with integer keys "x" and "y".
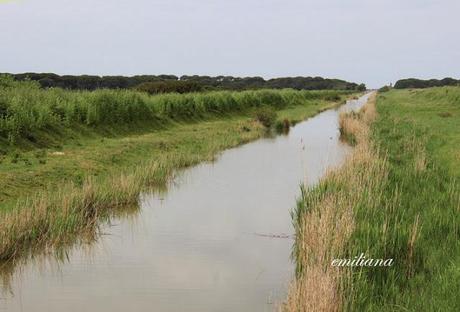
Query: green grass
{"x": 435, "y": 113}
{"x": 59, "y": 179}
{"x": 26, "y": 110}
{"x": 402, "y": 188}
{"x": 417, "y": 221}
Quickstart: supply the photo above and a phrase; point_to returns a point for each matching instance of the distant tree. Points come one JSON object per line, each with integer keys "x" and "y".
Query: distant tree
{"x": 169, "y": 86}
{"x": 385, "y": 89}
{"x": 86, "y": 82}
{"x": 46, "y": 82}
{"x": 419, "y": 83}
{"x": 361, "y": 87}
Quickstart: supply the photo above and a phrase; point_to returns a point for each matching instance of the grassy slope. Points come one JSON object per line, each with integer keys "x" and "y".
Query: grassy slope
{"x": 401, "y": 188}
{"x": 176, "y": 124}
{"x": 419, "y": 131}
{"x": 435, "y": 113}
{"x": 98, "y": 152}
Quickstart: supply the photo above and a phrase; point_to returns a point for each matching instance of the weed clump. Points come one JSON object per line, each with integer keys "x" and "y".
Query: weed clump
{"x": 385, "y": 89}
{"x": 283, "y": 126}
{"x": 445, "y": 114}
{"x": 266, "y": 116}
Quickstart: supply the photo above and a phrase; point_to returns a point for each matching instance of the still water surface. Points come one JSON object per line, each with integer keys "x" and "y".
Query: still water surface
{"x": 207, "y": 244}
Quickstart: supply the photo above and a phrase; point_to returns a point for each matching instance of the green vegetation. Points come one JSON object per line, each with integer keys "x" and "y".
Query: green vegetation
{"x": 266, "y": 115}
{"x": 384, "y": 89}
{"x": 158, "y": 87}
{"x": 419, "y": 83}
{"x": 171, "y": 83}
{"x": 25, "y": 109}
{"x": 397, "y": 197}
{"x": 434, "y": 116}
{"x": 417, "y": 219}
{"x": 324, "y": 221}
{"x": 71, "y": 158}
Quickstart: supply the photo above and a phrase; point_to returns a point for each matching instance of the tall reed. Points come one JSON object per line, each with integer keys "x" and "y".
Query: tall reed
{"x": 25, "y": 107}
{"x": 324, "y": 220}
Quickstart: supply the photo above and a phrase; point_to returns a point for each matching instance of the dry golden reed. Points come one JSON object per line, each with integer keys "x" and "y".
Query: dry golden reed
{"x": 55, "y": 217}
{"x": 325, "y": 219}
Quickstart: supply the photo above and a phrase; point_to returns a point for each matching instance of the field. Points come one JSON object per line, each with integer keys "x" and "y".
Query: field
{"x": 419, "y": 133}
{"x": 396, "y": 198}
{"x": 70, "y": 158}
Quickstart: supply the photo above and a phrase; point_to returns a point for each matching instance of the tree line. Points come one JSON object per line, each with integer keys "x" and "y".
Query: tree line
{"x": 419, "y": 83}
{"x": 184, "y": 84}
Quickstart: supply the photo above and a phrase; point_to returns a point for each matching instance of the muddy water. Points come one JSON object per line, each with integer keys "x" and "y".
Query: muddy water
{"x": 218, "y": 240}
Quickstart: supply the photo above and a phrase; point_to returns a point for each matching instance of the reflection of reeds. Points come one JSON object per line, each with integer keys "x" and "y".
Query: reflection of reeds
{"x": 54, "y": 217}
{"x": 324, "y": 219}
{"x": 40, "y": 254}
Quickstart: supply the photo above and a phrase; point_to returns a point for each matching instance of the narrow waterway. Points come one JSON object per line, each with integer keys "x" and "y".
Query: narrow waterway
{"x": 219, "y": 239}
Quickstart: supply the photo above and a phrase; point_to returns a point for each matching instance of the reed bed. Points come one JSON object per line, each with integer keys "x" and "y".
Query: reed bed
{"x": 324, "y": 220}
{"x": 26, "y": 108}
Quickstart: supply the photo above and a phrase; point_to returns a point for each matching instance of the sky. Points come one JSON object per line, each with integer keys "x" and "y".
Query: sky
{"x": 372, "y": 41}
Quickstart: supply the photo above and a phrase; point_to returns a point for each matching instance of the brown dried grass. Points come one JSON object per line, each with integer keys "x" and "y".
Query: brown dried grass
{"x": 327, "y": 221}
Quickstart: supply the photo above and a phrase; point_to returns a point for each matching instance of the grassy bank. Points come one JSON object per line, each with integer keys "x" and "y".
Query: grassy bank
{"x": 62, "y": 175}
{"x": 396, "y": 197}
{"x": 324, "y": 221}
{"x": 35, "y": 117}
{"x": 418, "y": 217}
{"x": 109, "y": 128}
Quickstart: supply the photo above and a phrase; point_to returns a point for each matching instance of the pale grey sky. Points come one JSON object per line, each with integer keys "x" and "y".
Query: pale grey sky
{"x": 371, "y": 41}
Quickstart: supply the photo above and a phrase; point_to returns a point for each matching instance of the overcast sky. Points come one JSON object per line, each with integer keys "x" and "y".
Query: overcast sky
{"x": 371, "y": 41}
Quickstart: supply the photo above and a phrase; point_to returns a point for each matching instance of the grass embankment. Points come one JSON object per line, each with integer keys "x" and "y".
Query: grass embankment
{"x": 70, "y": 158}
{"x": 396, "y": 197}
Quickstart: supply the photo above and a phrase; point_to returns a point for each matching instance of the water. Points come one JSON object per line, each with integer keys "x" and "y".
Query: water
{"x": 218, "y": 240}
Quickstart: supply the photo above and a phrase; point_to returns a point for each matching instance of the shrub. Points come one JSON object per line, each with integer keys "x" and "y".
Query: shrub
{"x": 283, "y": 126}
{"x": 266, "y": 116}
{"x": 384, "y": 89}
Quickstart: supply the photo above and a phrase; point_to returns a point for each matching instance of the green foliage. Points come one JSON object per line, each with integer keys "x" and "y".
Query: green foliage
{"x": 26, "y": 108}
{"x": 86, "y": 82}
{"x": 266, "y": 116}
{"x": 419, "y": 83}
{"x": 361, "y": 87}
{"x": 169, "y": 86}
{"x": 282, "y": 126}
{"x": 384, "y": 89}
